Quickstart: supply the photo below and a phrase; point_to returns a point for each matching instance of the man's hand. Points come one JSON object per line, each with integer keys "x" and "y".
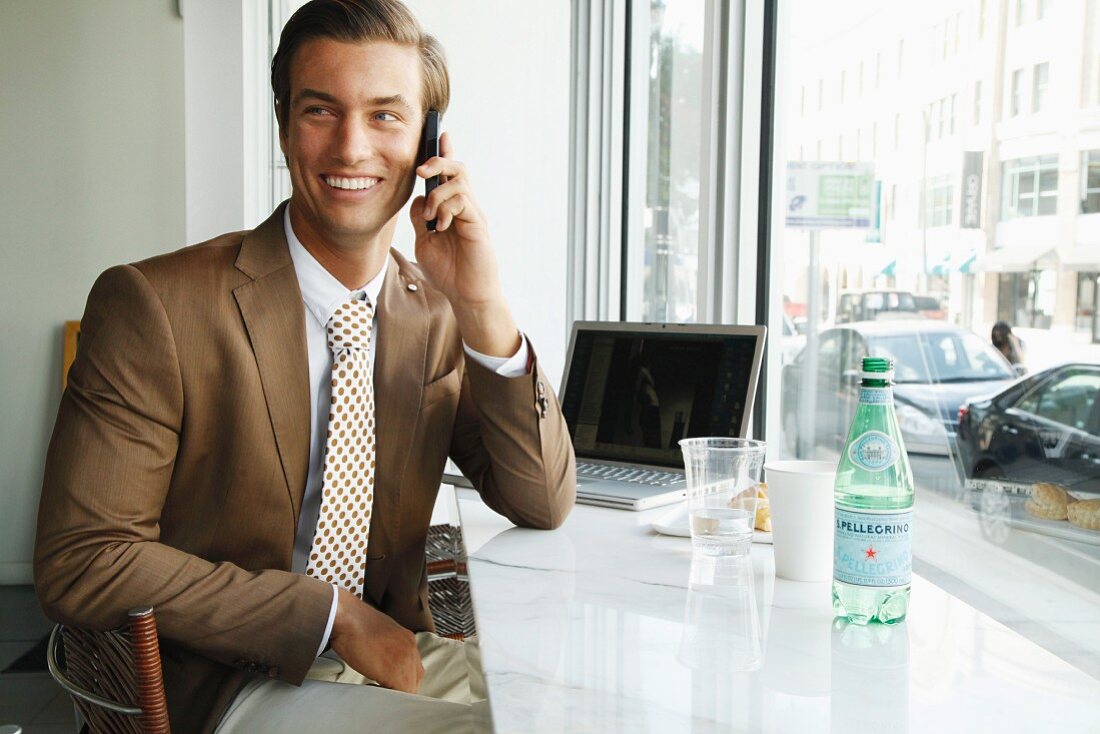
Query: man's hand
{"x": 375, "y": 645}
{"x": 458, "y": 256}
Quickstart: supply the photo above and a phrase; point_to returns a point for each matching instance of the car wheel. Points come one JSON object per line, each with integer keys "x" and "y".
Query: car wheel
{"x": 996, "y": 511}
{"x": 989, "y": 471}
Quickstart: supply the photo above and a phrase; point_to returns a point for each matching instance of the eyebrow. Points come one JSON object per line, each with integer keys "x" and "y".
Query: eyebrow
{"x": 393, "y": 99}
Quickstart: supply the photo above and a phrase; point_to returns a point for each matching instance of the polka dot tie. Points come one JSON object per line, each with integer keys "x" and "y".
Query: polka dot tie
{"x": 339, "y": 551}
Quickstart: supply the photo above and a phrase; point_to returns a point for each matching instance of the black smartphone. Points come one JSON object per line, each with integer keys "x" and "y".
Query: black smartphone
{"x": 429, "y": 148}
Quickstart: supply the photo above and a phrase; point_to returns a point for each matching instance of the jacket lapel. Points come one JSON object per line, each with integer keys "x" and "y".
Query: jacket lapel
{"x": 271, "y": 306}
{"x": 399, "y": 363}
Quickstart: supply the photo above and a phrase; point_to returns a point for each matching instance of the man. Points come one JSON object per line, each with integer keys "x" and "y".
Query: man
{"x": 251, "y": 421}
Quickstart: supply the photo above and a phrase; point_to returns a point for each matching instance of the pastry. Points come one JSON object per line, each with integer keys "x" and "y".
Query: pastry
{"x": 1085, "y": 514}
{"x": 1048, "y": 501}
{"x": 763, "y": 509}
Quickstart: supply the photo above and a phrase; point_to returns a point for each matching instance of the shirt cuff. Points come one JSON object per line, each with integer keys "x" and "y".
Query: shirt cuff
{"x": 514, "y": 366}
{"x": 331, "y": 619}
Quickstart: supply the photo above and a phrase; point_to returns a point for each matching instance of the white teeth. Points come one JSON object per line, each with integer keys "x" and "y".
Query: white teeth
{"x": 351, "y": 184}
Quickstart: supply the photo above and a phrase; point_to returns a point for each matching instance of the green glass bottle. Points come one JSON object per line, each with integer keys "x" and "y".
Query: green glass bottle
{"x": 872, "y": 540}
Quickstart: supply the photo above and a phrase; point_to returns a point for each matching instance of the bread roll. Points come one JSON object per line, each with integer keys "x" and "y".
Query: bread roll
{"x": 1049, "y": 501}
{"x": 1085, "y": 514}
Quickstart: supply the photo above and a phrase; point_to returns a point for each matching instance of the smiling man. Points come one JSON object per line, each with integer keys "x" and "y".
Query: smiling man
{"x": 255, "y": 427}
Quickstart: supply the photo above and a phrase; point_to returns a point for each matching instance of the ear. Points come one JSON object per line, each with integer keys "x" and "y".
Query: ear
{"x": 282, "y": 132}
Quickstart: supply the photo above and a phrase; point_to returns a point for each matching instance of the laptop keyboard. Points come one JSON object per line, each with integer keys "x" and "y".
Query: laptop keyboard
{"x": 628, "y": 474}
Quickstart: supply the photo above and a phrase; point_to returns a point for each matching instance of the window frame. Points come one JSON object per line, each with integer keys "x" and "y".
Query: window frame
{"x": 1089, "y": 158}
{"x": 735, "y": 185}
{"x": 1013, "y": 171}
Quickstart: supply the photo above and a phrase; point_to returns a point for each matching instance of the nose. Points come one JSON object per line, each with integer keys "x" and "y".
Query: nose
{"x": 353, "y": 144}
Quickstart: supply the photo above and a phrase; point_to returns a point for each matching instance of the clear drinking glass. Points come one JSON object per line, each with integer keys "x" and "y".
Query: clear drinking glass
{"x": 723, "y": 475}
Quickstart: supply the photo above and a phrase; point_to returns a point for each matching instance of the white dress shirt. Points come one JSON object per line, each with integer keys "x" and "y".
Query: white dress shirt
{"x": 322, "y": 293}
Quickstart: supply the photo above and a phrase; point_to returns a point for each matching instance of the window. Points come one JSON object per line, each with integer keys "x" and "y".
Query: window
{"x": 1067, "y": 399}
{"x": 802, "y": 101}
{"x": 860, "y": 78}
{"x": 820, "y": 94}
{"x": 843, "y": 84}
{"x": 1030, "y": 187}
{"x": 981, "y": 18}
{"x": 662, "y": 264}
{"x": 978, "y": 102}
{"x": 1090, "y": 182}
{"x": 938, "y": 197}
{"x": 901, "y": 56}
{"x": 1021, "y": 12}
{"x": 1044, "y": 8}
{"x": 1040, "y": 82}
{"x": 1017, "y": 92}
{"x": 897, "y": 130}
{"x": 878, "y": 68}
{"x": 952, "y": 101}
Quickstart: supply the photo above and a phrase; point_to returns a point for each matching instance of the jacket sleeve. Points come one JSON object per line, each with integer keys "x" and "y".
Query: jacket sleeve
{"x": 108, "y": 470}
{"x": 510, "y": 439}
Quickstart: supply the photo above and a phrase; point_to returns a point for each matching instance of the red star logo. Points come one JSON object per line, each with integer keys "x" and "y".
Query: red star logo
{"x": 871, "y": 552}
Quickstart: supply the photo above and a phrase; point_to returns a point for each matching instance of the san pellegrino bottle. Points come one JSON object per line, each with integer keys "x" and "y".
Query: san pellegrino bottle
{"x": 872, "y": 541}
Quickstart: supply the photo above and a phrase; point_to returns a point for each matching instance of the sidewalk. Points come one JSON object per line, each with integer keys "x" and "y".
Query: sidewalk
{"x": 1046, "y": 348}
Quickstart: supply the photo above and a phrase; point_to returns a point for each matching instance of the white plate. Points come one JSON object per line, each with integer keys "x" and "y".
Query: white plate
{"x": 675, "y": 522}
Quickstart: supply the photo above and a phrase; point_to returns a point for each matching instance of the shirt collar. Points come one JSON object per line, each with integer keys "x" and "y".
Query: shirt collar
{"x": 321, "y": 291}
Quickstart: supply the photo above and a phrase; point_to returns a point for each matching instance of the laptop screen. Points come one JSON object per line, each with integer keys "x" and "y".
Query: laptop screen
{"x": 631, "y": 396}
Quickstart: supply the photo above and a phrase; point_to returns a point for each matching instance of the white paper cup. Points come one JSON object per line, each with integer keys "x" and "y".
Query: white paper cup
{"x": 801, "y": 497}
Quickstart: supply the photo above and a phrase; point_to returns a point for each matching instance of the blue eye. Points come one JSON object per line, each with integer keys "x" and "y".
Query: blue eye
{"x": 392, "y": 116}
{"x": 316, "y": 111}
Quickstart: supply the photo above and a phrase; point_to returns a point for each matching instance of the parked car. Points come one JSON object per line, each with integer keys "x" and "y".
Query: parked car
{"x": 930, "y": 308}
{"x": 791, "y": 342}
{"x": 874, "y": 304}
{"x": 937, "y": 367}
{"x": 1044, "y": 428}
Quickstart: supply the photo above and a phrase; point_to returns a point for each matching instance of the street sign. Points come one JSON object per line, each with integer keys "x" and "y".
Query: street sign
{"x": 824, "y": 195}
{"x": 971, "y": 190}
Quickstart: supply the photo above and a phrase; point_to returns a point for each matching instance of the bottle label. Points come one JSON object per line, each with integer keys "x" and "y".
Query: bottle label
{"x": 876, "y": 395}
{"x": 874, "y": 451}
{"x": 873, "y": 548}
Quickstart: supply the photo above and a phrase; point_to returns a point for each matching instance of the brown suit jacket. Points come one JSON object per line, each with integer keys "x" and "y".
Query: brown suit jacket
{"x": 178, "y": 461}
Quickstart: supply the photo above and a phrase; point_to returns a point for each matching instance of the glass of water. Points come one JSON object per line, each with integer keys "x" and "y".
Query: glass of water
{"x": 723, "y": 477}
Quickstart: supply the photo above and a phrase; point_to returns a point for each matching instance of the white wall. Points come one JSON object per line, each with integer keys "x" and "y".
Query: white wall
{"x": 91, "y": 144}
{"x": 509, "y": 121}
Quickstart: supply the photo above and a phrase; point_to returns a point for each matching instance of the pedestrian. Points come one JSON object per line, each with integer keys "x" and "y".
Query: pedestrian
{"x": 1007, "y": 343}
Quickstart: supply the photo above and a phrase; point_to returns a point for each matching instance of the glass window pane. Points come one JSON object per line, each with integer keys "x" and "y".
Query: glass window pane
{"x": 1048, "y": 180}
{"x": 978, "y": 269}
{"x": 662, "y": 269}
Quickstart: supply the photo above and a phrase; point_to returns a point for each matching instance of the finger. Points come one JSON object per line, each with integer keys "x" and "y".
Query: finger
{"x": 440, "y": 166}
{"x": 446, "y": 149}
{"x": 416, "y": 214}
{"x": 450, "y": 210}
{"x": 442, "y": 193}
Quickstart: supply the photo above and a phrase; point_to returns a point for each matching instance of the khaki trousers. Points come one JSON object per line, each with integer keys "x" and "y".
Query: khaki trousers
{"x": 335, "y": 698}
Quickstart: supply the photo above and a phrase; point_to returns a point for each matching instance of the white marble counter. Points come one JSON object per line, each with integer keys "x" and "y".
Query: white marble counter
{"x": 593, "y": 628}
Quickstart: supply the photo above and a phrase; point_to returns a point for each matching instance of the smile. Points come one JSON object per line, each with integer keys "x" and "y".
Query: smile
{"x": 350, "y": 184}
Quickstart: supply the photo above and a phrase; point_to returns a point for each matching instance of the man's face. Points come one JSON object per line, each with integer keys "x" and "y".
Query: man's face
{"x": 351, "y": 137}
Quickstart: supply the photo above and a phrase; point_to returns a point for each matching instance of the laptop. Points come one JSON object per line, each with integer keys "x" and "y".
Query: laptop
{"x": 631, "y": 391}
